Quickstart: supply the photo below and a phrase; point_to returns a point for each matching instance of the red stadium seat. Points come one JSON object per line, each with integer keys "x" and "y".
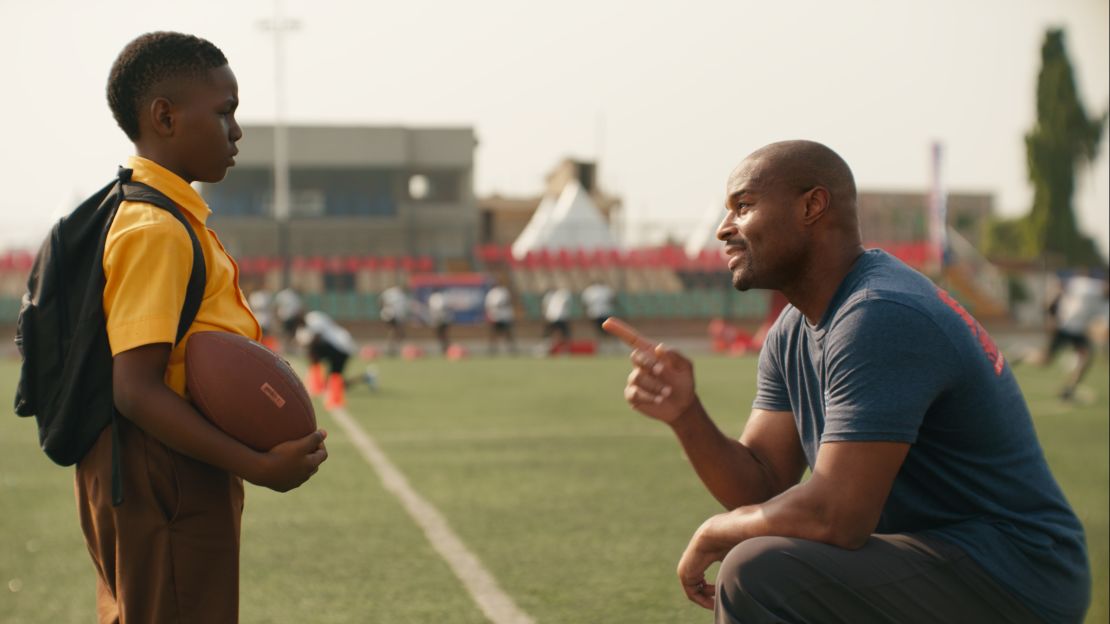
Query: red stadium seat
{"x": 581, "y": 258}
{"x": 22, "y": 260}
{"x": 564, "y": 259}
{"x": 635, "y": 259}
{"x": 543, "y": 259}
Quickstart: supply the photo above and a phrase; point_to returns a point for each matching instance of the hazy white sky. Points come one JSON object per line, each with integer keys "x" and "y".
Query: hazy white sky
{"x": 670, "y": 97}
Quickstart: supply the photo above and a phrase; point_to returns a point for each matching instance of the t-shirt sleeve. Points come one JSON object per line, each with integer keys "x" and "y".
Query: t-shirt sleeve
{"x": 146, "y": 271}
{"x": 771, "y": 391}
{"x": 885, "y": 365}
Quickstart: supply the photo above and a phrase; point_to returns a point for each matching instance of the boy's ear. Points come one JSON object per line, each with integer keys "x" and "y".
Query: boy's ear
{"x": 161, "y": 113}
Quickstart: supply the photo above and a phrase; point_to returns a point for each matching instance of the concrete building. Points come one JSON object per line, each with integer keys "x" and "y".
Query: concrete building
{"x": 902, "y": 217}
{"x": 886, "y": 217}
{"x": 354, "y": 191}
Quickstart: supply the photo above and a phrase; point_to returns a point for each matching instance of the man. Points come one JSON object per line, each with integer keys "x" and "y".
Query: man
{"x": 929, "y": 499}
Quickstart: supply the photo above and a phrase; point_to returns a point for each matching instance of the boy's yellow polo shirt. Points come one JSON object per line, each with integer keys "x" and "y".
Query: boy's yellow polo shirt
{"x": 147, "y": 261}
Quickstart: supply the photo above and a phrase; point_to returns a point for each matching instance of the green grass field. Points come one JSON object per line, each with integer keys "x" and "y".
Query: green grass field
{"x": 578, "y": 506}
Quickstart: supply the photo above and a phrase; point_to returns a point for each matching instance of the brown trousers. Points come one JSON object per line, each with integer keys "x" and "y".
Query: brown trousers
{"x": 894, "y": 579}
{"x": 170, "y": 552}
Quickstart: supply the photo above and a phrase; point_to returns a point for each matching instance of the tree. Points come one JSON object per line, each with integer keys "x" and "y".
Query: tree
{"x": 1062, "y": 138}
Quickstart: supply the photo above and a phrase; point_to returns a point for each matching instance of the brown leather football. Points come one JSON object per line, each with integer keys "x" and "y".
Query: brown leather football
{"x": 246, "y": 390}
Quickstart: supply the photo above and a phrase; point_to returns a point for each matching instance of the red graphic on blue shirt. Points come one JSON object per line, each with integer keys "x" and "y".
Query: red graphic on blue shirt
{"x": 989, "y": 348}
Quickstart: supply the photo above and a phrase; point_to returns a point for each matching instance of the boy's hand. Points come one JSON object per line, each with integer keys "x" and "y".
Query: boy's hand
{"x": 290, "y": 464}
{"x": 661, "y": 385}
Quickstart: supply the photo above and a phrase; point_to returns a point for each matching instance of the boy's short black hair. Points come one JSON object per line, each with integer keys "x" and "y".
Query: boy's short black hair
{"x": 150, "y": 59}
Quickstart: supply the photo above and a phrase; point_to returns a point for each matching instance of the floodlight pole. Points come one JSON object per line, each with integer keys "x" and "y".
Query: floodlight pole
{"x": 281, "y": 209}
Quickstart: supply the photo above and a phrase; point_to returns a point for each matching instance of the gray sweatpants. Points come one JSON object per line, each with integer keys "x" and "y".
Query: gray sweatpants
{"x": 901, "y": 579}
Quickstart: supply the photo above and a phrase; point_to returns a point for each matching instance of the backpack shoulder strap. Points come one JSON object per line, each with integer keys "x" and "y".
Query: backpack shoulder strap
{"x": 130, "y": 190}
{"x": 139, "y": 192}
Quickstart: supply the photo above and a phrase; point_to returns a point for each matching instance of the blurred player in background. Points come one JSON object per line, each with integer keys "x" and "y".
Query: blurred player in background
{"x": 440, "y": 318}
{"x": 325, "y": 342}
{"x": 395, "y": 309}
{"x": 288, "y": 308}
{"x": 556, "y": 314}
{"x": 500, "y": 316}
{"x": 1082, "y": 301}
{"x": 261, "y": 302}
{"x": 599, "y": 300}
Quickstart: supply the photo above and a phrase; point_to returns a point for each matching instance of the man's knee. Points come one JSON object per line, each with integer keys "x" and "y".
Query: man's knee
{"x": 757, "y": 574}
{"x": 753, "y": 563}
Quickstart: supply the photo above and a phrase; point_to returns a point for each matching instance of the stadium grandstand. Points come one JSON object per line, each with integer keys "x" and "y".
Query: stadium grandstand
{"x": 376, "y": 207}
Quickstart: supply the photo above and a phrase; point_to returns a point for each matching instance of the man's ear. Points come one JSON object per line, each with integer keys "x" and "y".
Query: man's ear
{"x": 817, "y": 201}
{"x": 162, "y": 116}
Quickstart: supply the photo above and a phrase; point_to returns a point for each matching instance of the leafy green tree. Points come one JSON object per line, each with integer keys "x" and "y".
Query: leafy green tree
{"x": 1062, "y": 138}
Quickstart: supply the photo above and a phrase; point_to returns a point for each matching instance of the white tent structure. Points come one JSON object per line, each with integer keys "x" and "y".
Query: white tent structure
{"x": 570, "y": 222}
{"x": 704, "y": 234}
{"x": 530, "y": 237}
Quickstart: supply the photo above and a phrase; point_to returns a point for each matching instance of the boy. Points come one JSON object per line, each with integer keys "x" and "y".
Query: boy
{"x": 170, "y": 551}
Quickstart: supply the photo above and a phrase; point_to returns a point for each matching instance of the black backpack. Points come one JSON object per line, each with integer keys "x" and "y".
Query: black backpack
{"x": 66, "y": 378}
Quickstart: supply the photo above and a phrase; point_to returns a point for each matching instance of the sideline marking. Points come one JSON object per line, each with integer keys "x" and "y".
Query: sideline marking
{"x": 498, "y": 607}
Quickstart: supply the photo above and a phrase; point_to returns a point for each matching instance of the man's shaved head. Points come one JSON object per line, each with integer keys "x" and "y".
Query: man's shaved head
{"x": 790, "y": 215}
{"x": 797, "y": 166}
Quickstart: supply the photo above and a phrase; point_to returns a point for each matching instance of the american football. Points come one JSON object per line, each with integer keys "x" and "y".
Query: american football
{"x": 246, "y": 390}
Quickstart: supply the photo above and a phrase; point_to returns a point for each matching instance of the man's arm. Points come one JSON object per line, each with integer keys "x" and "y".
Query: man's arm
{"x": 765, "y": 461}
{"x": 756, "y": 477}
{"x": 839, "y": 505}
{"x": 141, "y": 395}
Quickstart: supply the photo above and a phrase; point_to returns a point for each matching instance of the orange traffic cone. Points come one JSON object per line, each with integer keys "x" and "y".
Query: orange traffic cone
{"x": 316, "y": 379}
{"x": 336, "y": 392}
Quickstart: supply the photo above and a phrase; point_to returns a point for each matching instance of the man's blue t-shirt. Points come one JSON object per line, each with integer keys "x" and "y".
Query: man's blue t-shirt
{"x": 895, "y": 358}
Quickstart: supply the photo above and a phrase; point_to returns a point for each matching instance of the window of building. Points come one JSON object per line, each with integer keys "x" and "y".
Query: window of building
{"x": 331, "y": 192}
{"x": 350, "y": 192}
{"x": 443, "y": 185}
{"x": 245, "y": 192}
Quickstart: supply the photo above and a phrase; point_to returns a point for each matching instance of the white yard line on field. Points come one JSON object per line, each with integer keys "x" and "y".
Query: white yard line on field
{"x": 498, "y": 607}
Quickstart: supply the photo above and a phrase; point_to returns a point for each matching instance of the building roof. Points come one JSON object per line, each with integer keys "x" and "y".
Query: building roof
{"x": 361, "y": 146}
